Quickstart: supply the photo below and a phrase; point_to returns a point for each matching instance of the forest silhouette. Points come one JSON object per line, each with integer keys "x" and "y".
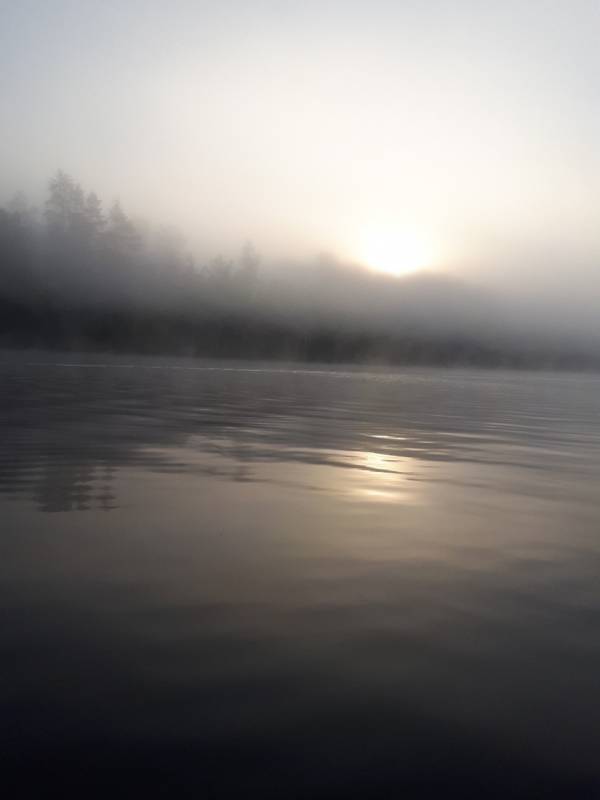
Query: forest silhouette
{"x": 74, "y": 275}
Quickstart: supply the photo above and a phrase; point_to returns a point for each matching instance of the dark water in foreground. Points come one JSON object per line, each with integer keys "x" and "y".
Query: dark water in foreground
{"x": 319, "y": 584}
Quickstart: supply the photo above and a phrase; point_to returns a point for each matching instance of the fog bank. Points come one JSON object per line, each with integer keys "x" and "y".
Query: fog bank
{"x": 76, "y": 274}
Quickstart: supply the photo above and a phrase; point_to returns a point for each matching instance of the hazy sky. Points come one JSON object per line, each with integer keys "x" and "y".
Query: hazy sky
{"x": 464, "y": 134}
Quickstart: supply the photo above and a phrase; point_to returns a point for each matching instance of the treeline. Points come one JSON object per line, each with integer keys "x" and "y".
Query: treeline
{"x": 76, "y": 275}
{"x": 73, "y": 253}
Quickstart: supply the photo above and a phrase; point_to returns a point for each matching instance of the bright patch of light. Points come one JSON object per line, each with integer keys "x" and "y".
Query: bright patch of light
{"x": 394, "y": 251}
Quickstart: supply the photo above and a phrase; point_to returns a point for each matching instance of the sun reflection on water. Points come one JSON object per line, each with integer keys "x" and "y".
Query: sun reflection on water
{"x": 383, "y": 477}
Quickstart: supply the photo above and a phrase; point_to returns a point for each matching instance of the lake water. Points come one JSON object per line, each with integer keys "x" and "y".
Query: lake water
{"x": 224, "y": 580}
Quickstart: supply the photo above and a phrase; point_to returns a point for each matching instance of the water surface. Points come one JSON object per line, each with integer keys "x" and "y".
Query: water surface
{"x": 233, "y": 580}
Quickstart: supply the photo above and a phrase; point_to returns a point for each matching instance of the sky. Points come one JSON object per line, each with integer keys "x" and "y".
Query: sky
{"x": 456, "y": 136}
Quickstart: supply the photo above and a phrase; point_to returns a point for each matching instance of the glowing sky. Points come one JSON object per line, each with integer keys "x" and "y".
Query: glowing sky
{"x": 467, "y": 129}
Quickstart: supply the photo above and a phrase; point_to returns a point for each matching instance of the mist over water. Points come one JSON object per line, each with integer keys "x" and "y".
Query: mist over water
{"x": 317, "y": 583}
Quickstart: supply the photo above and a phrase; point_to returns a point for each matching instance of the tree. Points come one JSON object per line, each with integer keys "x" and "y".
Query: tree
{"x": 93, "y": 215}
{"x": 65, "y": 205}
{"x": 122, "y": 237}
{"x": 13, "y": 254}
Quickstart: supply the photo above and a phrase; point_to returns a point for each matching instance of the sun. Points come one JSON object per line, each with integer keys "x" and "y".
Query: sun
{"x": 394, "y": 251}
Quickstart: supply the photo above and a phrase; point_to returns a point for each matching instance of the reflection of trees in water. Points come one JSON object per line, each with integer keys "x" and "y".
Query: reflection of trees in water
{"x": 60, "y": 482}
{"x": 66, "y": 477}
{"x": 68, "y": 486}
{"x": 66, "y": 432}
{"x": 76, "y": 481}
{"x": 105, "y": 496}
{"x": 65, "y": 487}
